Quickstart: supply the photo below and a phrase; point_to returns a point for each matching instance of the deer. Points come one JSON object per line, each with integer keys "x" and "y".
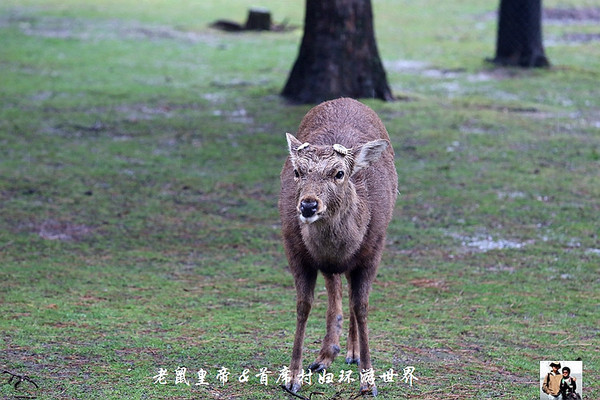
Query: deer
{"x": 338, "y": 190}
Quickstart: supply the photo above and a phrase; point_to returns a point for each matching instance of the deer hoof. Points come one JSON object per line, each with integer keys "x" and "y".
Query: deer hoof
{"x": 325, "y": 359}
{"x": 295, "y": 387}
{"x": 366, "y": 389}
{"x": 317, "y": 367}
{"x": 353, "y": 360}
{"x": 292, "y": 387}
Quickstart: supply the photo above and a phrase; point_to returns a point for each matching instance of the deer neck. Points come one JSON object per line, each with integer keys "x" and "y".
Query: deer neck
{"x": 333, "y": 240}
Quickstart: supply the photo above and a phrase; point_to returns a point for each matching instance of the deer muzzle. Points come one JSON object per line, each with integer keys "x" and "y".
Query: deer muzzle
{"x": 310, "y": 209}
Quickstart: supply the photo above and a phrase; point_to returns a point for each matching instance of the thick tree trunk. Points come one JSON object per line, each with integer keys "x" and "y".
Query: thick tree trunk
{"x": 519, "y": 42}
{"x": 338, "y": 55}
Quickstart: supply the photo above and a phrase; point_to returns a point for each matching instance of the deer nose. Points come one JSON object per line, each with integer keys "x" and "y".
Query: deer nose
{"x": 308, "y": 208}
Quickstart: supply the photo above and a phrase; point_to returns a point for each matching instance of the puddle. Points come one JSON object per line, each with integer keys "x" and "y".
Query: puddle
{"x": 484, "y": 243}
{"x": 406, "y": 65}
{"x": 593, "y": 251}
{"x": 240, "y": 116}
{"x": 511, "y": 195}
{"x": 490, "y": 243}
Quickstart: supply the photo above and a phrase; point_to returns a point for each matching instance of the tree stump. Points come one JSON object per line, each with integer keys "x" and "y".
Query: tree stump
{"x": 259, "y": 19}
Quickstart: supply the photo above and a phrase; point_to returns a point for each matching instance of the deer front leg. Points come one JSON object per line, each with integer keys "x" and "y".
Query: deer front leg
{"x": 331, "y": 343}
{"x": 360, "y": 281}
{"x": 305, "y": 287}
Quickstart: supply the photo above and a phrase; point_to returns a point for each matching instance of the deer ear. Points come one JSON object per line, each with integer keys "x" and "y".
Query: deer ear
{"x": 294, "y": 146}
{"x": 292, "y": 142}
{"x": 368, "y": 153}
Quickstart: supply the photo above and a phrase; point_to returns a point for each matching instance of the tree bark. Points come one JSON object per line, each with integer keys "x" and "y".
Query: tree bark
{"x": 519, "y": 40}
{"x": 338, "y": 55}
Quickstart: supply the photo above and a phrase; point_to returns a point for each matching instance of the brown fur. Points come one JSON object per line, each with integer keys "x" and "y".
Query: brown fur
{"x": 336, "y": 225}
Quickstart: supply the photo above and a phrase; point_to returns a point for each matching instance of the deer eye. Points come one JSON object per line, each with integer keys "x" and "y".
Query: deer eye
{"x": 296, "y": 174}
{"x": 339, "y": 175}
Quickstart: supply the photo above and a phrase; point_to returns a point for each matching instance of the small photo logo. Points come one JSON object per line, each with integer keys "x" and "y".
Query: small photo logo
{"x": 561, "y": 380}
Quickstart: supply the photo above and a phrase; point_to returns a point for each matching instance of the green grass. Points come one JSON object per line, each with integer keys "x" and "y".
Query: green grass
{"x": 139, "y": 172}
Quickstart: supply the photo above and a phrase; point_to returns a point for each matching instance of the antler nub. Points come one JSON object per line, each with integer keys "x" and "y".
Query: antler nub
{"x": 303, "y": 146}
{"x": 338, "y": 148}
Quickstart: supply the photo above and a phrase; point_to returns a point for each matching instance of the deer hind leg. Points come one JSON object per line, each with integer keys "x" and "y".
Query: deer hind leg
{"x": 352, "y": 346}
{"x": 360, "y": 281}
{"x": 305, "y": 287}
{"x": 331, "y": 342}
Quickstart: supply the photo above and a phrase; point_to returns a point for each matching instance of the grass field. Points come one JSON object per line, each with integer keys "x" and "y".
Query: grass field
{"x": 140, "y": 154}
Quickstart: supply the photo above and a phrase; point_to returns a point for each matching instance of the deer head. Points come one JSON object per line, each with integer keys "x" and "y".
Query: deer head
{"x": 323, "y": 175}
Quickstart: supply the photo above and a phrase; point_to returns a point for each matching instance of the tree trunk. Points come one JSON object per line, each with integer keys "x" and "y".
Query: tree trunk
{"x": 338, "y": 55}
{"x": 519, "y": 41}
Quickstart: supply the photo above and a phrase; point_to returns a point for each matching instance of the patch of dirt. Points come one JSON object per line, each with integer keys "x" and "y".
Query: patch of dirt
{"x": 571, "y": 15}
{"x": 412, "y": 355}
{"x": 64, "y": 231}
{"x": 48, "y": 370}
{"x": 93, "y": 30}
{"x": 430, "y": 283}
{"x": 581, "y": 37}
{"x": 450, "y": 76}
{"x": 507, "y": 109}
{"x": 490, "y": 381}
{"x": 137, "y": 112}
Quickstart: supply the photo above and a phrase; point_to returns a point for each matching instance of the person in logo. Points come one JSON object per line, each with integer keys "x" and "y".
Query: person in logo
{"x": 568, "y": 385}
{"x": 551, "y": 385}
